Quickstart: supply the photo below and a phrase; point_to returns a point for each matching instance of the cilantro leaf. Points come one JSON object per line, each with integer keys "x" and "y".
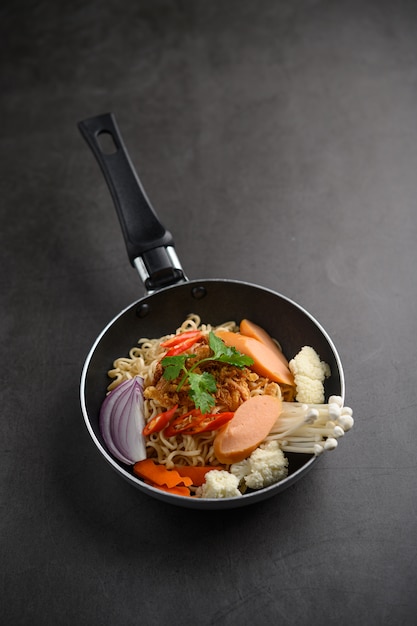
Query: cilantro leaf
{"x": 174, "y": 365}
{"x": 227, "y": 354}
{"x": 201, "y": 388}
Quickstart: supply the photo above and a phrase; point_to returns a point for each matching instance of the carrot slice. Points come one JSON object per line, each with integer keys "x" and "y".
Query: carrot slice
{"x": 196, "y": 473}
{"x": 249, "y": 329}
{"x": 158, "y": 474}
{"x": 251, "y": 423}
{"x": 178, "y": 490}
{"x": 266, "y": 361}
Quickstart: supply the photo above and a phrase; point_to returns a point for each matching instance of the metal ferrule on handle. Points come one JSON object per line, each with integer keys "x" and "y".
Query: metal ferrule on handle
{"x": 163, "y": 258}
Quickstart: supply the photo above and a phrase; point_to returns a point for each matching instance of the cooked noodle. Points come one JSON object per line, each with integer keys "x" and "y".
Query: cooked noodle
{"x": 143, "y": 360}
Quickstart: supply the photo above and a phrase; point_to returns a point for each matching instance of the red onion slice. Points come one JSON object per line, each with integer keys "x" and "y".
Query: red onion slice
{"x": 119, "y": 417}
{"x": 122, "y": 421}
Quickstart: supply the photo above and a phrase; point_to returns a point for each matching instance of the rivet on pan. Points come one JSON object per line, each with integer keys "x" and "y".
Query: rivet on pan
{"x": 199, "y": 292}
{"x": 143, "y": 310}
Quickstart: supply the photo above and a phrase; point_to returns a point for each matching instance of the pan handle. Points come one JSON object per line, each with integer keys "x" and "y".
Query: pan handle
{"x": 149, "y": 245}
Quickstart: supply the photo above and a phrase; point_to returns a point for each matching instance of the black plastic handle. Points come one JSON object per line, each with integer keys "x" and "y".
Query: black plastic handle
{"x": 143, "y": 233}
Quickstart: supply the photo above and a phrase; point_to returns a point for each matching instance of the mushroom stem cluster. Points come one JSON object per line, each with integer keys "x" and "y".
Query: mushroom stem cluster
{"x": 311, "y": 428}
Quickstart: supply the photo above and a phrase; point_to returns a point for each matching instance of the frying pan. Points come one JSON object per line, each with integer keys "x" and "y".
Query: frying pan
{"x": 169, "y": 298}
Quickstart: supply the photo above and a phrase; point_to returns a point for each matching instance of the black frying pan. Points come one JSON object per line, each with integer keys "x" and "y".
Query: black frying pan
{"x": 171, "y": 297}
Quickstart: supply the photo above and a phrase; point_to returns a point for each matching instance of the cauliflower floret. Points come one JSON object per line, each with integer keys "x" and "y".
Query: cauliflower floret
{"x": 219, "y": 484}
{"x": 265, "y": 466}
{"x": 309, "y": 391}
{"x": 309, "y": 374}
{"x": 241, "y": 469}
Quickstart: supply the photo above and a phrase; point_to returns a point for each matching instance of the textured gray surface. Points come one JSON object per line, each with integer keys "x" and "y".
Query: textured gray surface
{"x": 278, "y": 142}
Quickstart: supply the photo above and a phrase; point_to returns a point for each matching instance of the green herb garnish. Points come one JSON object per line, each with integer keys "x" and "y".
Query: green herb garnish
{"x": 202, "y": 386}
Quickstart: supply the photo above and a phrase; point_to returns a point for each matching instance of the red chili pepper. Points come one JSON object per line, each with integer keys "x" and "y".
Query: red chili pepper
{"x": 182, "y": 346}
{"x": 173, "y": 341}
{"x": 213, "y": 421}
{"x": 158, "y": 422}
{"x": 182, "y": 422}
{"x": 195, "y": 422}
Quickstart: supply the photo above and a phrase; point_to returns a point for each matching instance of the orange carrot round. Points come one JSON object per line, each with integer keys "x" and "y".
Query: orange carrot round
{"x": 251, "y": 423}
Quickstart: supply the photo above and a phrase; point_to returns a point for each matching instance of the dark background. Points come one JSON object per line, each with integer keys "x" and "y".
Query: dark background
{"x": 278, "y": 142}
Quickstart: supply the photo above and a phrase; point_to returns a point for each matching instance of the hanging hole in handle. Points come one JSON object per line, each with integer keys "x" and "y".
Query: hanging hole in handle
{"x": 106, "y": 142}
